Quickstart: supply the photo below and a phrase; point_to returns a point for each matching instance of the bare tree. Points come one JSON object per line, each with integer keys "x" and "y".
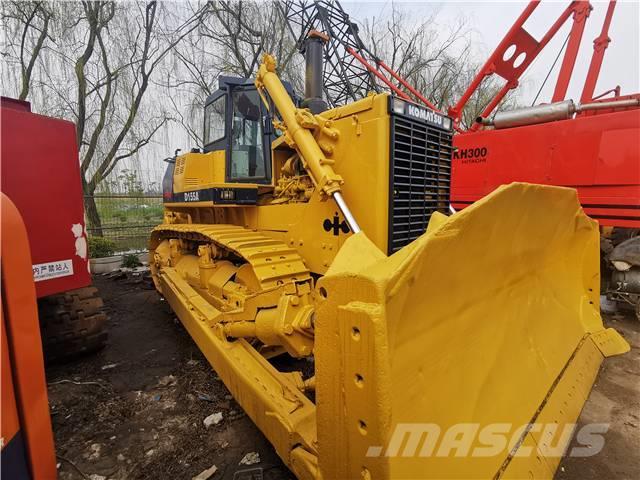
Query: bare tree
{"x": 98, "y": 72}
{"x": 244, "y": 31}
{"x": 438, "y": 61}
{"x": 140, "y": 66}
{"x": 30, "y": 22}
{"x": 230, "y": 40}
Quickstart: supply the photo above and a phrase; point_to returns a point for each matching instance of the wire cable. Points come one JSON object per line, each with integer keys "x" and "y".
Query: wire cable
{"x": 550, "y": 70}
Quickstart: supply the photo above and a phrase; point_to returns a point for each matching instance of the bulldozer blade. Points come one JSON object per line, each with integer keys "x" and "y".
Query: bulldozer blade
{"x": 470, "y": 352}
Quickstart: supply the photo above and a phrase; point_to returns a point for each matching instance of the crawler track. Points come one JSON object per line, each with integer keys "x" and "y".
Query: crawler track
{"x": 273, "y": 262}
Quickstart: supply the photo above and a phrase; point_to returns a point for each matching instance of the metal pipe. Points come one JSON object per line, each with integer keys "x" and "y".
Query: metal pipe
{"x": 381, "y": 77}
{"x": 313, "y": 54}
{"x": 406, "y": 85}
{"x": 348, "y": 216}
{"x": 494, "y": 103}
{"x": 534, "y": 115}
{"x": 550, "y": 112}
{"x": 632, "y": 102}
{"x": 615, "y": 91}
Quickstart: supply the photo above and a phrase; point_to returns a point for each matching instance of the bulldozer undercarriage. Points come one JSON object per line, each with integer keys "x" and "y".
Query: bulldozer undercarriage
{"x": 249, "y": 284}
{"x": 392, "y": 345}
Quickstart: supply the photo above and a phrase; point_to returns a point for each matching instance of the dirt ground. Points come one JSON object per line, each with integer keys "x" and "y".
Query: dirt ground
{"x": 141, "y": 417}
{"x": 615, "y": 399}
{"x": 136, "y": 409}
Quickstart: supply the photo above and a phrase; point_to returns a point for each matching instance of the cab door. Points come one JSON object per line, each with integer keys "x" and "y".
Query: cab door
{"x": 249, "y": 147}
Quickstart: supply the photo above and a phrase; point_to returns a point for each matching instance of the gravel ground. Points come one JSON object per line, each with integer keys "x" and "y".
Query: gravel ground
{"x": 136, "y": 409}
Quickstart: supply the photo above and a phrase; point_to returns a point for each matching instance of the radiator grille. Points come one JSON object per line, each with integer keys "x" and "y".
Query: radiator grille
{"x": 420, "y": 176}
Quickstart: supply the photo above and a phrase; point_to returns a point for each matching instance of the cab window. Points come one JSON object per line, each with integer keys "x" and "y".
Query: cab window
{"x": 247, "y": 151}
{"x": 214, "y": 121}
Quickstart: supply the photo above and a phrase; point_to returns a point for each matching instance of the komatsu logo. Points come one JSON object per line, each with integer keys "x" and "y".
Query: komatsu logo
{"x": 424, "y": 114}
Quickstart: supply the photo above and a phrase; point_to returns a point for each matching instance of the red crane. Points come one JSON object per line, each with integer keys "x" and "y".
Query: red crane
{"x": 591, "y": 145}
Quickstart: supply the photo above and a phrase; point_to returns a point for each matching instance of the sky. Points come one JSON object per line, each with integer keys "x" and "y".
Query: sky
{"x": 490, "y": 21}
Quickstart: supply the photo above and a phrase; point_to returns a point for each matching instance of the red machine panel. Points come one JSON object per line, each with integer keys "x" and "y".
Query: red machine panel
{"x": 41, "y": 174}
{"x": 27, "y": 449}
{"x": 599, "y": 155}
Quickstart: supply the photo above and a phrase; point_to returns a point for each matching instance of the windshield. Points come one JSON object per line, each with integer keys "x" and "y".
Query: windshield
{"x": 247, "y": 152}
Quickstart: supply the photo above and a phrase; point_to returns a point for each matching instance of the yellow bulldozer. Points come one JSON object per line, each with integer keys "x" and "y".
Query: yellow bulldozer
{"x": 459, "y": 346}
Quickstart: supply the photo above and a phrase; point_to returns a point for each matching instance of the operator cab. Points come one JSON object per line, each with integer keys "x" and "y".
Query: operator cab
{"x": 239, "y": 125}
{"x": 237, "y": 121}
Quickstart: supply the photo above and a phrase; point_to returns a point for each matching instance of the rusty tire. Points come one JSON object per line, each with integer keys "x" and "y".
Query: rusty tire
{"x": 72, "y": 323}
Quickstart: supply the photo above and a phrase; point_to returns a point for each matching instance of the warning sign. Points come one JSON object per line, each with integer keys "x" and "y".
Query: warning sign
{"x": 47, "y": 271}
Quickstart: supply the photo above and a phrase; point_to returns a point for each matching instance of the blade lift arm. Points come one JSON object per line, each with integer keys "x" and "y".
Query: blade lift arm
{"x": 298, "y": 125}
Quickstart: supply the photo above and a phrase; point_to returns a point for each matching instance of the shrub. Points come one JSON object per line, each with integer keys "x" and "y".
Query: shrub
{"x": 101, "y": 247}
{"x": 131, "y": 260}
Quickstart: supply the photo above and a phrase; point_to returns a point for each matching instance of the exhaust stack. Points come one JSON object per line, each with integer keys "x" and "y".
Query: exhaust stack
{"x": 313, "y": 53}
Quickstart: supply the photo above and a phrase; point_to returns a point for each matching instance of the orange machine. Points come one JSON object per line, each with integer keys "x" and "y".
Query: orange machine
{"x": 27, "y": 437}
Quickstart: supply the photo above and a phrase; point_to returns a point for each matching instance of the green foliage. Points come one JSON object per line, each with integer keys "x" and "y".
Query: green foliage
{"x": 101, "y": 247}
{"x": 131, "y": 260}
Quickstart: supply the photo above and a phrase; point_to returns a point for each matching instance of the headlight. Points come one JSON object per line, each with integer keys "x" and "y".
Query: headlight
{"x": 446, "y": 123}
